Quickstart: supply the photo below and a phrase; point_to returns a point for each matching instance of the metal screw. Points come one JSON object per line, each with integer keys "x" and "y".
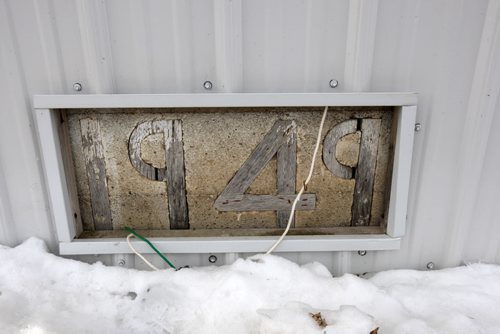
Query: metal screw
{"x": 122, "y": 262}
{"x": 333, "y": 83}
{"x": 207, "y": 85}
{"x": 212, "y": 259}
{"x": 362, "y": 253}
{"x": 430, "y": 265}
{"x": 77, "y": 86}
{"x": 418, "y": 127}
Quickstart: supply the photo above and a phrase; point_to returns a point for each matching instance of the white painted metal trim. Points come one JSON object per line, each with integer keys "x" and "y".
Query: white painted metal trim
{"x": 223, "y": 100}
{"x": 400, "y": 183}
{"x": 482, "y": 105}
{"x": 228, "y": 45}
{"x": 360, "y": 44}
{"x": 233, "y": 244}
{"x": 47, "y": 117}
{"x": 47, "y": 123}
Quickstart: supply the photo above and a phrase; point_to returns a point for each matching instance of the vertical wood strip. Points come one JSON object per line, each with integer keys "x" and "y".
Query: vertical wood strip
{"x": 286, "y": 175}
{"x": 93, "y": 153}
{"x": 175, "y": 176}
{"x": 365, "y": 172}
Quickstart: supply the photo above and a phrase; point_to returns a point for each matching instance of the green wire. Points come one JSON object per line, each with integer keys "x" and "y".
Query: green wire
{"x": 150, "y": 245}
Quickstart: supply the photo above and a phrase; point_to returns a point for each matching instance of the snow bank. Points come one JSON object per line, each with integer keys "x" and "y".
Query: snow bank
{"x": 42, "y": 293}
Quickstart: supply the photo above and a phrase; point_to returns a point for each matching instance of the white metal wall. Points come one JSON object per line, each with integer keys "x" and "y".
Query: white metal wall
{"x": 448, "y": 51}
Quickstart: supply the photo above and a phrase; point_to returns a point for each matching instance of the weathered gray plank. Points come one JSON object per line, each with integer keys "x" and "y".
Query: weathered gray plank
{"x": 286, "y": 170}
{"x": 259, "y": 158}
{"x": 140, "y": 132}
{"x": 93, "y": 153}
{"x": 175, "y": 175}
{"x": 281, "y": 137}
{"x": 329, "y": 147}
{"x": 365, "y": 172}
{"x": 265, "y": 202}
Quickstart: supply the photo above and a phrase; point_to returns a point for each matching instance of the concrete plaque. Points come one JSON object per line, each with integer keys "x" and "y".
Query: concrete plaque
{"x": 231, "y": 171}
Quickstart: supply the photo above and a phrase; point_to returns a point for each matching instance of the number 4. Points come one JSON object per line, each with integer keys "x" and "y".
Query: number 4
{"x": 281, "y": 141}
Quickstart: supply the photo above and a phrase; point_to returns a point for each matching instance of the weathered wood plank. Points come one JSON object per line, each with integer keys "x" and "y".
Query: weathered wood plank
{"x": 265, "y": 202}
{"x": 330, "y": 144}
{"x": 95, "y": 165}
{"x": 281, "y": 141}
{"x": 259, "y": 158}
{"x": 175, "y": 175}
{"x": 365, "y": 172}
{"x": 286, "y": 175}
{"x": 140, "y": 132}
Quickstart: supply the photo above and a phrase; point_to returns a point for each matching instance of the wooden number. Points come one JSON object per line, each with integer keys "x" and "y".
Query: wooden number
{"x": 173, "y": 173}
{"x": 330, "y": 144}
{"x": 93, "y": 153}
{"x": 364, "y": 172}
{"x": 281, "y": 140}
{"x": 286, "y": 170}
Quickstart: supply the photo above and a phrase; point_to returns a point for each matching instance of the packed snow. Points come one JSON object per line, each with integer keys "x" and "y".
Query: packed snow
{"x": 43, "y": 293}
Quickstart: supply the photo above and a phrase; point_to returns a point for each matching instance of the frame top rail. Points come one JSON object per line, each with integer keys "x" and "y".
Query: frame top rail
{"x": 222, "y": 100}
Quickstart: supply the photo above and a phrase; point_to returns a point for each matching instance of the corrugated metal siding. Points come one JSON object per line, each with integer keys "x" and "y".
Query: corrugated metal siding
{"x": 448, "y": 51}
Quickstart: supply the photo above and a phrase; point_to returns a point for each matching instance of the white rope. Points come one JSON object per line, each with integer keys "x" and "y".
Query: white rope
{"x": 304, "y": 185}
{"x": 139, "y": 254}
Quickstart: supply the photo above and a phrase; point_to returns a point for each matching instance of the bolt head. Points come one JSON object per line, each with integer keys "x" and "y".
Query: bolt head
{"x": 362, "y": 253}
{"x": 418, "y": 127}
{"x": 333, "y": 83}
{"x": 77, "y": 86}
{"x": 207, "y": 85}
{"x": 430, "y": 265}
{"x": 212, "y": 259}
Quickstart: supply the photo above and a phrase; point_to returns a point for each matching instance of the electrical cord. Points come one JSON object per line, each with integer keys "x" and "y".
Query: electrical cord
{"x": 137, "y": 235}
{"x": 304, "y": 185}
{"x": 152, "y": 266}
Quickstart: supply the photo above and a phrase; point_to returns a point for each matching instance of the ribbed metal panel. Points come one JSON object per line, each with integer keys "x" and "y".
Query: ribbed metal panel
{"x": 448, "y": 51}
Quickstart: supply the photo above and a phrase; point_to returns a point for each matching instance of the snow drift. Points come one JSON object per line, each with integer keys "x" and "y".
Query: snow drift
{"x": 43, "y": 293}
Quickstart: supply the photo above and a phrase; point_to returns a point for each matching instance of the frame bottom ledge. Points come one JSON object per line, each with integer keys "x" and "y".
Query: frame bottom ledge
{"x": 232, "y": 244}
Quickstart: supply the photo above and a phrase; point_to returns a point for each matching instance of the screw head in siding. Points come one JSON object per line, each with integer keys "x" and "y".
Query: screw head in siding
{"x": 212, "y": 259}
{"x": 430, "y": 265}
{"x": 418, "y": 127}
{"x": 207, "y": 85}
{"x": 333, "y": 83}
{"x": 361, "y": 252}
{"x": 77, "y": 86}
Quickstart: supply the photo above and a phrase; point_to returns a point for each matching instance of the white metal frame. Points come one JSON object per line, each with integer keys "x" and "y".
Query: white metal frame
{"x": 46, "y": 111}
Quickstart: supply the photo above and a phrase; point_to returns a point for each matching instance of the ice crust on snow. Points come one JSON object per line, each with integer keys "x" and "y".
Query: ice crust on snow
{"x": 43, "y": 293}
